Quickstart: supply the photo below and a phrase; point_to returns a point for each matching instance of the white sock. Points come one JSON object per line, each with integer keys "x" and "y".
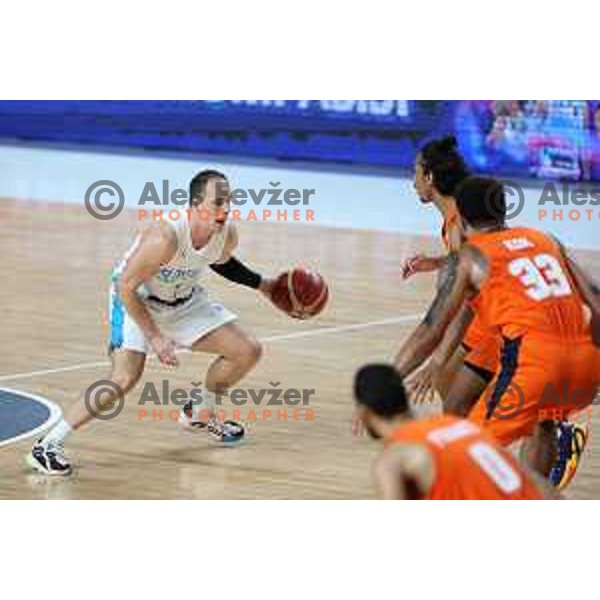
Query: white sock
{"x": 206, "y": 409}
{"x": 58, "y": 434}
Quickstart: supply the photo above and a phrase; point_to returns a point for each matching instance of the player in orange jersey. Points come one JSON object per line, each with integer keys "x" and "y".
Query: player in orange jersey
{"x": 439, "y": 168}
{"x": 437, "y": 458}
{"x": 465, "y": 372}
{"x": 524, "y": 288}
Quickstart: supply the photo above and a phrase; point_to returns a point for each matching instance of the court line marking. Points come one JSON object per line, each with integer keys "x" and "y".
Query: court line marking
{"x": 54, "y": 410}
{"x": 273, "y": 338}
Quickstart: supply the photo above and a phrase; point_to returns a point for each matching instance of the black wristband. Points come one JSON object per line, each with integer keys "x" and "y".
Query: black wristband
{"x": 237, "y": 272}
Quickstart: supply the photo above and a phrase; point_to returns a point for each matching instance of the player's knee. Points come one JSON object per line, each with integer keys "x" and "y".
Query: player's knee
{"x": 250, "y": 352}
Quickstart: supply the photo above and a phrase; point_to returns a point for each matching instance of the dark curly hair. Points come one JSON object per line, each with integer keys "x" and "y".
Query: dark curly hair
{"x": 444, "y": 161}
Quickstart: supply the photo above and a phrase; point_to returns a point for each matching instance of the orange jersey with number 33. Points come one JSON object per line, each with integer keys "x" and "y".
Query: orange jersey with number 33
{"x": 469, "y": 464}
{"x": 529, "y": 288}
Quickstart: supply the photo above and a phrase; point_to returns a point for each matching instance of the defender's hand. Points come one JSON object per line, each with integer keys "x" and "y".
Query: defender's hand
{"x": 421, "y": 386}
{"x": 419, "y": 264}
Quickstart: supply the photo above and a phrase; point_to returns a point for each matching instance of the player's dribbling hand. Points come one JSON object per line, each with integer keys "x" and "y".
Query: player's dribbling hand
{"x": 266, "y": 286}
{"x": 419, "y": 264}
{"x": 421, "y": 386}
{"x": 165, "y": 351}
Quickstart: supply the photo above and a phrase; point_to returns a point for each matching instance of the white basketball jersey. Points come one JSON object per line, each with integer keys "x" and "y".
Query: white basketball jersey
{"x": 178, "y": 279}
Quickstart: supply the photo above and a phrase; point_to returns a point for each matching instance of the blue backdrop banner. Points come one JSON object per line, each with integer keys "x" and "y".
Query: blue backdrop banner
{"x": 530, "y": 138}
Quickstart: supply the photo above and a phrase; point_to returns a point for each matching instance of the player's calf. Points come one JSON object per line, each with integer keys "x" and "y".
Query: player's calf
{"x": 540, "y": 450}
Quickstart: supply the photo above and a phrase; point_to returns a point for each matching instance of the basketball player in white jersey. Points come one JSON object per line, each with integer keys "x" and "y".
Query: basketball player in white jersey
{"x": 157, "y": 305}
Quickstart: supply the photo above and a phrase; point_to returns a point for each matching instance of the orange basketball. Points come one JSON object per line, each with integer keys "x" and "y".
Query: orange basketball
{"x": 300, "y": 293}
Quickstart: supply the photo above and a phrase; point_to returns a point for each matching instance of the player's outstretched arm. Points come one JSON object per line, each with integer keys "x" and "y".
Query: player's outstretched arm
{"x": 454, "y": 290}
{"x": 404, "y": 472}
{"x": 423, "y": 384}
{"x": 229, "y": 267}
{"x": 422, "y": 264}
{"x": 454, "y": 335}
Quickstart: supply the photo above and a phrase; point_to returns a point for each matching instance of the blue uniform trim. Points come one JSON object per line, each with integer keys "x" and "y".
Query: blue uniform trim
{"x": 509, "y": 363}
{"x": 117, "y": 314}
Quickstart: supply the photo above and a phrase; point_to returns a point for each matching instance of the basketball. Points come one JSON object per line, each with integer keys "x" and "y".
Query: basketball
{"x": 300, "y": 293}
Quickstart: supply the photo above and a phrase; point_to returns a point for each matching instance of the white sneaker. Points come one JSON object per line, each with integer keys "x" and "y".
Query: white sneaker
{"x": 224, "y": 432}
{"x": 49, "y": 459}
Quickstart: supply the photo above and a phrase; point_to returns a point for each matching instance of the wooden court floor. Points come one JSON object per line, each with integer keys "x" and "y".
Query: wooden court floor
{"x": 56, "y": 261}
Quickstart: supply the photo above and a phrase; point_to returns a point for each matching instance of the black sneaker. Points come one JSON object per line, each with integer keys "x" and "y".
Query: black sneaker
{"x": 49, "y": 459}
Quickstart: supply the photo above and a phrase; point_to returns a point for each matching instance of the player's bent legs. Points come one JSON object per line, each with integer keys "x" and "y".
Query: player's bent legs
{"x": 465, "y": 390}
{"x": 530, "y": 394}
{"x": 238, "y": 352}
{"x": 127, "y": 368}
{"x": 531, "y": 440}
{"x": 571, "y": 389}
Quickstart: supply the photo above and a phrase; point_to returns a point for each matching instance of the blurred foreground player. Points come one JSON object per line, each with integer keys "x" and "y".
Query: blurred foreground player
{"x": 524, "y": 288}
{"x": 436, "y": 458}
{"x": 157, "y": 304}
